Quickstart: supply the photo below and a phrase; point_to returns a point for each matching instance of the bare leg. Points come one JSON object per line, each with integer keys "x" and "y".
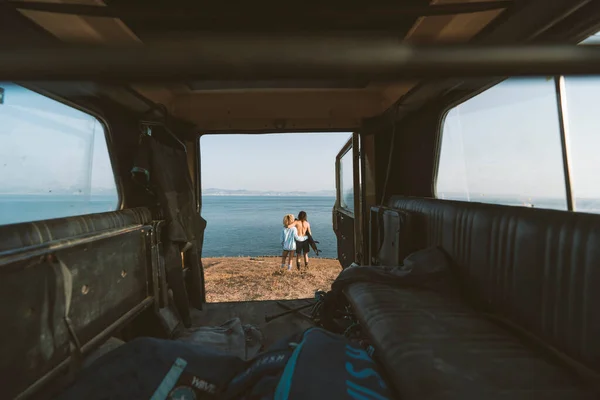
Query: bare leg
{"x": 298, "y": 259}
{"x": 290, "y": 258}
{"x": 306, "y": 260}
{"x": 284, "y": 256}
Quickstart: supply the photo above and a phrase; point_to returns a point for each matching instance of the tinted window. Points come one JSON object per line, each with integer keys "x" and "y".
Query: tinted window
{"x": 54, "y": 159}
{"x": 503, "y": 146}
{"x": 347, "y": 182}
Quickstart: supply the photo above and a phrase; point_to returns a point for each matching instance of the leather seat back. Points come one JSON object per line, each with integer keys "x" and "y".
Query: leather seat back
{"x": 389, "y": 240}
{"x": 539, "y": 268}
{"x": 18, "y": 236}
{"x": 65, "y": 286}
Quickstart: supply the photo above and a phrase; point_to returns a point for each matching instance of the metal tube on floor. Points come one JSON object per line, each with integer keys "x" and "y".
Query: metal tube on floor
{"x": 269, "y": 318}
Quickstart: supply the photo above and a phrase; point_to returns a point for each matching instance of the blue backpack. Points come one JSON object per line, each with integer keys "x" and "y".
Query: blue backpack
{"x": 315, "y": 365}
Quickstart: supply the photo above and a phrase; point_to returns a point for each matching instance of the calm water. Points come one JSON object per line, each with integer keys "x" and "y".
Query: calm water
{"x": 237, "y": 225}
{"x": 251, "y": 225}
{"x": 26, "y": 208}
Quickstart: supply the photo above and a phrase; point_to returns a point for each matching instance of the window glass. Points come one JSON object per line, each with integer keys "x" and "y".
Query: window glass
{"x": 503, "y": 146}
{"x": 583, "y": 133}
{"x": 54, "y": 160}
{"x": 347, "y": 182}
{"x": 592, "y": 40}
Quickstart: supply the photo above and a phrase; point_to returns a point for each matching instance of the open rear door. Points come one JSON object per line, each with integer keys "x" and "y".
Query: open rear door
{"x": 347, "y": 211}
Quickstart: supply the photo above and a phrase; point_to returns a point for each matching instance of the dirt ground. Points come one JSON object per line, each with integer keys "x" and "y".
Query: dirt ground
{"x": 261, "y": 278}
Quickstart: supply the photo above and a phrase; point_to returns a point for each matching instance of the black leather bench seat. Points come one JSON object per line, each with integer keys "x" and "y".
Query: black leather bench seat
{"x": 435, "y": 347}
{"x": 538, "y": 270}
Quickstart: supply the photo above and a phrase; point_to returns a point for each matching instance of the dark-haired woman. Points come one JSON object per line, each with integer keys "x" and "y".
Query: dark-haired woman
{"x": 302, "y": 247}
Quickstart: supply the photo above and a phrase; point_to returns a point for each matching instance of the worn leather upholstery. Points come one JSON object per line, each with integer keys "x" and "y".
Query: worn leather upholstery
{"x": 540, "y": 269}
{"x": 437, "y": 347}
{"x": 27, "y": 234}
{"x": 94, "y": 283}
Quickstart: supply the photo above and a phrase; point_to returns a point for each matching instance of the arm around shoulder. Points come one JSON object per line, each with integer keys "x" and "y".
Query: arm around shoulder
{"x": 298, "y": 238}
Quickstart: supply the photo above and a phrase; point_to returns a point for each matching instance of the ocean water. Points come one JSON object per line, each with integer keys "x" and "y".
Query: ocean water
{"x": 251, "y": 225}
{"x": 237, "y": 225}
{"x": 25, "y": 208}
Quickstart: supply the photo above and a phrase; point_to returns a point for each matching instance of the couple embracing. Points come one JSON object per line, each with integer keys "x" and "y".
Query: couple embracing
{"x": 296, "y": 237}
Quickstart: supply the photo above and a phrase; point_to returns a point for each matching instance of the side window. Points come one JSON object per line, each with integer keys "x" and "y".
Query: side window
{"x": 583, "y": 134}
{"x": 346, "y": 181}
{"x": 503, "y": 146}
{"x": 54, "y": 159}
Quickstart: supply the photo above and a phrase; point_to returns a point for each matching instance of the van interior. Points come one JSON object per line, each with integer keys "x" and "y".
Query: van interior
{"x": 473, "y": 135}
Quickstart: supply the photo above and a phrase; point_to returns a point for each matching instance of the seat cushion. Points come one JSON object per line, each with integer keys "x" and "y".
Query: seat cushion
{"x": 538, "y": 268}
{"x": 436, "y": 346}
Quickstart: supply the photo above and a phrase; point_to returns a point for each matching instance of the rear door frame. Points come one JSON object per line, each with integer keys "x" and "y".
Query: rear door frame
{"x": 353, "y": 144}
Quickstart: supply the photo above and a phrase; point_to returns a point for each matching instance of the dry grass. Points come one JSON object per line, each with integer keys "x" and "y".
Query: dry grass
{"x": 260, "y": 278}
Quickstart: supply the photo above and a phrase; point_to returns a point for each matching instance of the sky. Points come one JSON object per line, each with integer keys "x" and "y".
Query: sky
{"x": 271, "y": 162}
{"x": 505, "y": 141}
{"x": 49, "y": 147}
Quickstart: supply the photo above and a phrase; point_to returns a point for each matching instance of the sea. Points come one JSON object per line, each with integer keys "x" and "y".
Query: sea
{"x": 236, "y": 225}
{"x": 251, "y": 225}
{"x": 15, "y": 208}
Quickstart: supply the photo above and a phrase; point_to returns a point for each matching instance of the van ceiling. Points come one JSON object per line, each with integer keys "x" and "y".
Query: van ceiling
{"x": 230, "y": 105}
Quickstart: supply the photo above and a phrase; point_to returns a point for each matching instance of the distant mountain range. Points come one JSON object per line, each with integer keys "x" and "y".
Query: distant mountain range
{"x": 243, "y": 192}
